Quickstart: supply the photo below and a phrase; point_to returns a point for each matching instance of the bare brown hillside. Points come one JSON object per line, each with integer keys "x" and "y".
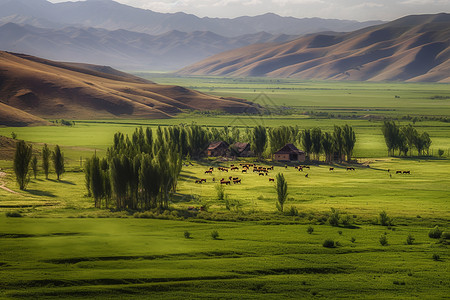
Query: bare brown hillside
{"x": 48, "y": 89}
{"x": 413, "y": 48}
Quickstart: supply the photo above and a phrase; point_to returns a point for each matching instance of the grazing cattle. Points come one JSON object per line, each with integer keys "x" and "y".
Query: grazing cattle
{"x": 227, "y": 182}
{"x": 244, "y": 171}
{"x": 235, "y": 178}
{"x": 398, "y": 172}
{"x": 230, "y": 177}
{"x": 331, "y": 169}
{"x": 406, "y": 172}
{"x": 199, "y": 181}
{"x": 236, "y": 181}
{"x": 214, "y": 179}
{"x": 261, "y": 174}
{"x": 306, "y": 176}
{"x": 208, "y": 172}
{"x": 389, "y": 170}
{"x": 271, "y": 179}
{"x": 202, "y": 180}
{"x": 285, "y": 166}
{"x": 350, "y": 169}
{"x": 300, "y": 169}
{"x": 270, "y": 168}
{"x": 234, "y": 168}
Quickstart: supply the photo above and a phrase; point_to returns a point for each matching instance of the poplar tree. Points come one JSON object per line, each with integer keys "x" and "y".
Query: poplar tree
{"x": 22, "y": 158}
{"x": 46, "y": 160}
{"x": 58, "y": 162}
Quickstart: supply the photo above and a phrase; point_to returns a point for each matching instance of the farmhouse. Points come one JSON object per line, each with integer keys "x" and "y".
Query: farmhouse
{"x": 289, "y": 153}
{"x": 241, "y": 150}
{"x": 220, "y": 148}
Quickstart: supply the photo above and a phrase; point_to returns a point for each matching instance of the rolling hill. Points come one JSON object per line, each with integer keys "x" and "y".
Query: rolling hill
{"x": 413, "y": 48}
{"x": 33, "y": 89}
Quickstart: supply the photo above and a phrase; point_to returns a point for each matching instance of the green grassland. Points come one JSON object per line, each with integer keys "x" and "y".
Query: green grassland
{"x": 64, "y": 247}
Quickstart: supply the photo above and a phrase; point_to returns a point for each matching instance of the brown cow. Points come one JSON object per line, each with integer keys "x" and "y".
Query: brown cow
{"x": 261, "y": 174}
{"x": 227, "y": 182}
{"x": 236, "y": 181}
{"x": 306, "y": 176}
{"x": 208, "y": 172}
{"x": 398, "y": 172}
{"x": 244, "y": 171}
{"x": 406, "y": 172}
{"x": 271, "y": 179}
{"x": 331, "y": 169}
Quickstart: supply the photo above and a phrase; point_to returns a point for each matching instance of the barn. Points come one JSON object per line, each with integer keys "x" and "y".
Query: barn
{"x": 241, "y": 150}
{"x": 219, "y": 148}
{"x": 289, "y": 153}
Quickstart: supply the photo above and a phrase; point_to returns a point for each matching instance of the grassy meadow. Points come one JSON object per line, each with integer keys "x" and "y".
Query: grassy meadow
{"x": 59, "y": 245}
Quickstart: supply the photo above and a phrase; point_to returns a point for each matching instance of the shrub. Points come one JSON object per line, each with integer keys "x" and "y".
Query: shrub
{"x": 187, "y": 235}
{"x": 334, "y": 217}
{"x": 435, "y": 233}
{"x": 220, "y": 190}
{"x": 436, "y": 257}
{"x": 384, "y": 219}
{"x": 446, "y": 235}
{"x": 338, "y": 244}
{"x": 440, "y": 152}
{"x": 352, "y": 240}
{"x": 281, "y": 188}
{"x": 293, "y": 211}
{"x": 383, "y": 240}
{"x": 346, "y": 220}
{"x": 214, "y": 235}
{"x": 13, "y": 214}
{"x": 340, "y": 232}
{"x": 410, "y": 239}
{"x": 14, "y": 135}
{"x": 310, "y": 229}
{"x": 328, "y": 243}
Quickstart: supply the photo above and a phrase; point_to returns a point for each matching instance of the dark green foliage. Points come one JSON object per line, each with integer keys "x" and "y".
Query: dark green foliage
{"x": 410, "y": 239}
{"x": 96, "y": 180}
{"x": 349, "y": 140}
{"x": 436, "y": 257}
{"x": 327, "y": 146}
{"x": 13, "y": 214}
{"x": 307, "y": 141}
{"x": 383, "y": 240}
{"x": 258, "y": 140}
{"x": 440, "y": 152}
{"x": 338, "y": 140}
{"x": 58, "y": 161}
{"x": 353, "y": 239}
{"x": 384, "y": 219}
{"x": 280, "y": 136}
{"x": 22, "y": 158}
{"x": 328, "y": 243}
{"x": 316, "y": 139}
{"x": 34, "y": 165}
{"x": 404, "y": 139}
{"x": 445, "y": 235}
{"x": 215, "y": 235}
{"x": 435, "y": 233}
{"x": 310, "y": 229}
{"x": 334, "y": 217}
{"x": 293, "y": 211}
{"x": 187, "y": 235}
{"x": 13, "y": 135}
{"x": 46, "y": 160}
{"x": 282, "y": 191}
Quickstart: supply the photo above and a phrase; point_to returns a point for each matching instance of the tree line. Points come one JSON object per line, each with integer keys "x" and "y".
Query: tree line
{"x": 404, "y": 139}
{"x": 314, "y": 142}
{"x": 24, "y": 160}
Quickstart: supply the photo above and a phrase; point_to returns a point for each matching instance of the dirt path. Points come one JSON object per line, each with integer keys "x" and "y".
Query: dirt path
{"x": 2, "y": 184}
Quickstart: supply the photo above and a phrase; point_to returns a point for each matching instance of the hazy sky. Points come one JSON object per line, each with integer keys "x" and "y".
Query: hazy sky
{"x": 333, "y": 9}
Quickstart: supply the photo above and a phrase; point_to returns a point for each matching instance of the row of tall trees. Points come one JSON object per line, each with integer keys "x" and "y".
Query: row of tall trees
{"x": 314, "y": 142}
{"x": 24, "y": 160}
{"x": 404, "y": 139}
{"x": 141, "y": 172}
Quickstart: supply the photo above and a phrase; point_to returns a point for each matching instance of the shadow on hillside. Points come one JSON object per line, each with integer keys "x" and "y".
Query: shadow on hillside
{"x": 41, "y": 193}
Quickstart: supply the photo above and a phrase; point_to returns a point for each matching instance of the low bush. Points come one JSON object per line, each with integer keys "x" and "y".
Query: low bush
{"x": 352, "y": 240}
{"x": 293, "y": 211}
{"x": 384, "y": 219}
{"x": 435, "y": 233}
{"x": 410, "y": 239}
{"x": 383, "y": 240}
{"x": 436, "y": 257}
{"x": 13, "y": 214}
{"x": 334, "y": 217}
{"x": 214, "y": 235}
{"x": 187, "y": 235}
{"x": 310, "y": 229}
{"x": 328, "y": 243}
{"x": 445, "y": 235}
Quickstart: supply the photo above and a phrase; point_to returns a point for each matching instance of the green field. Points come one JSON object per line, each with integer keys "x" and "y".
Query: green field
{"x": 64, "y": 247}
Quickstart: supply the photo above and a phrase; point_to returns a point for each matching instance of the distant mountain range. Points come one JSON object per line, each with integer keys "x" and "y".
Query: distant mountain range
{"x": 111, "y": 15}
{"x": 124, "y": 49}
{"x": 125, "y": 37}
{"x": 413, "y": 48}
{"x": 32, "y": 89}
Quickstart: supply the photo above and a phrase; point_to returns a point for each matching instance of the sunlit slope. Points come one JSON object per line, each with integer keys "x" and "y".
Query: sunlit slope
{"x": 413, "y": 48}
{"x": 49, "y": 89}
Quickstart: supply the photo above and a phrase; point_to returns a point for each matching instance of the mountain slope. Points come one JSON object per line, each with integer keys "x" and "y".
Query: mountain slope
{"x": 413, "y": 48}
{"x": 110, "y": 15}
{"x": 48, "y": 89}
{"x": 123, "y": 49}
